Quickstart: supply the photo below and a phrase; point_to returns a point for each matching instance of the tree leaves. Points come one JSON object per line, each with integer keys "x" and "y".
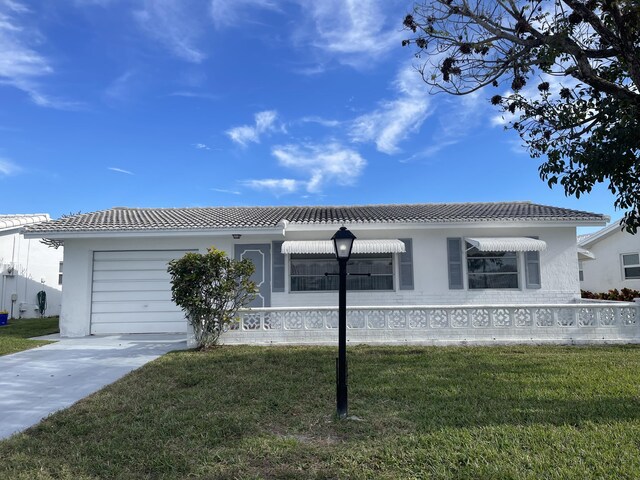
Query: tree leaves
{"x": 583, "y": 119}
{"x": 210, "y": 288}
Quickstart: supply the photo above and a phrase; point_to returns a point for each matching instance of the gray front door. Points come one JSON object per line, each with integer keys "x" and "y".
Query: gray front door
{"x": 260, "y": 255}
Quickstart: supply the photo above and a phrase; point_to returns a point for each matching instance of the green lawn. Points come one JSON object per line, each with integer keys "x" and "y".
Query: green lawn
{"x": 249, "y": 412}
{"x": 15, "y": 336}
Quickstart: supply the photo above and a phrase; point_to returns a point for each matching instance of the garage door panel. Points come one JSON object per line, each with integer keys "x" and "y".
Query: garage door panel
{"x": 139, "y": 318}
{"x": 128, "y": 265}
{"x": 118, "y": 275}
{"x": 139, "y": 255}
{"x": 129, "y": 327}
{"x": 131, "y": 293}
{"x": 135, "y": 306}
{"x": 128, "y": 285}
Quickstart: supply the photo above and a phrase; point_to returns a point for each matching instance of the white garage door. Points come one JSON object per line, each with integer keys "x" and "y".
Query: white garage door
{"x": 131, "y": 293}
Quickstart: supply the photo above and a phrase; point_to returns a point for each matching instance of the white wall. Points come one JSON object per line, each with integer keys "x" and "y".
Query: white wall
{"x": 34, "y": 262}
{"x": 559, "y": 269}
{"x": 605, "y": 272}
{"x": 78, "y": 264}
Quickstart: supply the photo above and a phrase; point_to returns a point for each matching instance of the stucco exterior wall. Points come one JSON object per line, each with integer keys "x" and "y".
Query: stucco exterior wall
{"x": 605, "y": 271}
{"x": 36, "y": 268}
{"x": 559, "y": 270}
{"x": 78, "y": 263}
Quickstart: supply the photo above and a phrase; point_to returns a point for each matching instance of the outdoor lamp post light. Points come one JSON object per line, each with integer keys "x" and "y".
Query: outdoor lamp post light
{"x": 342, "y": 243}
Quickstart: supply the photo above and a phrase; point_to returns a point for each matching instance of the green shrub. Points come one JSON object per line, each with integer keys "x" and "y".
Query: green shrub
{"x": 211, "y": 288}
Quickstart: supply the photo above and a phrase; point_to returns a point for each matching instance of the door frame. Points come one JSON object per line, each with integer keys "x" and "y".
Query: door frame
{"x": 265, "y": 250}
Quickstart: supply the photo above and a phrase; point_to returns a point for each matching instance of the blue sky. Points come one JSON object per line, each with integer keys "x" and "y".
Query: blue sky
{"x": 167, "y": 103}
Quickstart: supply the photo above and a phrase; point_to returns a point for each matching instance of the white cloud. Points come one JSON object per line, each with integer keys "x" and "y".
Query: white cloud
{"x": 355, "y": 32}
{"x": 231, "y": 12}
{"x": 21, "y": 66}
{"x": 530, "y": 91}
{"x": 322, "y": 164}
{"x": 325, "y": 122}
{"x": 265, "y": 122}
{"x": 277, "y": 186}
{"x": 175, "y": 24}
{"x": 222, "y": 190}
{"x": 120, "y": 170}
{"x": 121, "y": 88}
{"x": 318, "y": 164}
{"x": 394, "y": 120}
{"x": 100, "y": 3}
{"x": 198, "y": 95}
{"x": 201, "y": 146}
{"x": 14, "y": 6}
{"x": 7, "y": 167}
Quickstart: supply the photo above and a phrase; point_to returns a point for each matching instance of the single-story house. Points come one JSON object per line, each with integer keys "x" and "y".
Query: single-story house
{"x": 608, "y": 259}
{"x": 464, "y": 254}
{"x": 27, "y": 267}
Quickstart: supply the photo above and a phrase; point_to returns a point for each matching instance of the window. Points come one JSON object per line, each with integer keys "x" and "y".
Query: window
{"x": 491, "y": 269}
{"x": 60, "y": 274}
{"x": 631, "y": 266}
{"x": 580, "y": 271}
{"x": 308, "y": 272}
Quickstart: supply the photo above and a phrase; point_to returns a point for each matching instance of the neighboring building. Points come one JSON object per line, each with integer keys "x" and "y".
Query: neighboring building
{"x": 27, "y": 267}
{"x": 610, "y": 259}
{"x": 426, "y": 254}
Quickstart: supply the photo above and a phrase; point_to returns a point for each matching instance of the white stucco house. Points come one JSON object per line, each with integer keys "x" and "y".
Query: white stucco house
{"x": 609, "y": 258}
{"x": 27, "y": 267}
{"x": 465, "y": 271}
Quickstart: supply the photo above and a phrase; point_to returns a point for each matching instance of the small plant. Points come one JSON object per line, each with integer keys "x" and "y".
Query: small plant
{"x": 211, "y": 288}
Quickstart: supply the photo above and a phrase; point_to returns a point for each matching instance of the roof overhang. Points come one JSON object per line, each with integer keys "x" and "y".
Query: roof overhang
{"x": 131, "y": 233}
{"x": 584, "y": 254}
{"x": 326, "y": 246}
{"x": 10, "y": 223}
{"x": 507, "y": 244}
{"x": 601, "y": 234}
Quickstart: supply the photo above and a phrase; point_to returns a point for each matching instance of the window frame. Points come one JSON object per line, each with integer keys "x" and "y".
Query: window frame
{"x": 518, "y": 273}
{"x": 394, "y": 273}
{"x": 580, "y": 271}
{"x": 60, "y": 272}
{"x": 624, "y": 267}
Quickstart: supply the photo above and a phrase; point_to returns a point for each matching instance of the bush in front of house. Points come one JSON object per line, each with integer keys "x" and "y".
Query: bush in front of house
{"x": 624, "y": 295}
{"x": 211, "y": 288}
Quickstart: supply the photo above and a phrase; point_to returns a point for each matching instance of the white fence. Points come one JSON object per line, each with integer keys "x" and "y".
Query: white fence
{"x": 442, "y": 324}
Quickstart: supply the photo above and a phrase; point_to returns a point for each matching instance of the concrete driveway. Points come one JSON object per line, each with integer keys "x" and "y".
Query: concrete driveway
{"x": 35, "y": 383}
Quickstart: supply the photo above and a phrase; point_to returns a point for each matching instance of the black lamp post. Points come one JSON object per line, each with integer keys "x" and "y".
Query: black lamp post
{"x": 342, "y": 243}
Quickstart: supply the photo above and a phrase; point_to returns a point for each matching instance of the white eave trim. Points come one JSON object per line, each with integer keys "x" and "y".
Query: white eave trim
{"x": 326, "y": 246}
{"x": 584, "y": 254}
{"x": 507, "y": 244}
{"x": 183, "y": 232}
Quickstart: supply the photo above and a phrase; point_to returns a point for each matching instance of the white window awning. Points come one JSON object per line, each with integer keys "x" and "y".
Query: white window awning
{"x": 584, "y": 254}
{"x": 507, "y": 244}
{"x": 326, "y": 246}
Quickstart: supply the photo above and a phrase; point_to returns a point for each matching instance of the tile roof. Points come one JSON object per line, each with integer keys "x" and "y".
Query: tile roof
{"x": 211, "y": 218}
{"x": 15, "y": 220}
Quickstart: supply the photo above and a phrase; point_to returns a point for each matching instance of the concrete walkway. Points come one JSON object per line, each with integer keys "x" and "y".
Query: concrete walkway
{"x": 35, "y": 383}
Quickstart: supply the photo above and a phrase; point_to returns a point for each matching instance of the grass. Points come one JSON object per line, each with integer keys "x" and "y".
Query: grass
{"x": 250, "y": 412}
{"x": 15, "y": 336}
